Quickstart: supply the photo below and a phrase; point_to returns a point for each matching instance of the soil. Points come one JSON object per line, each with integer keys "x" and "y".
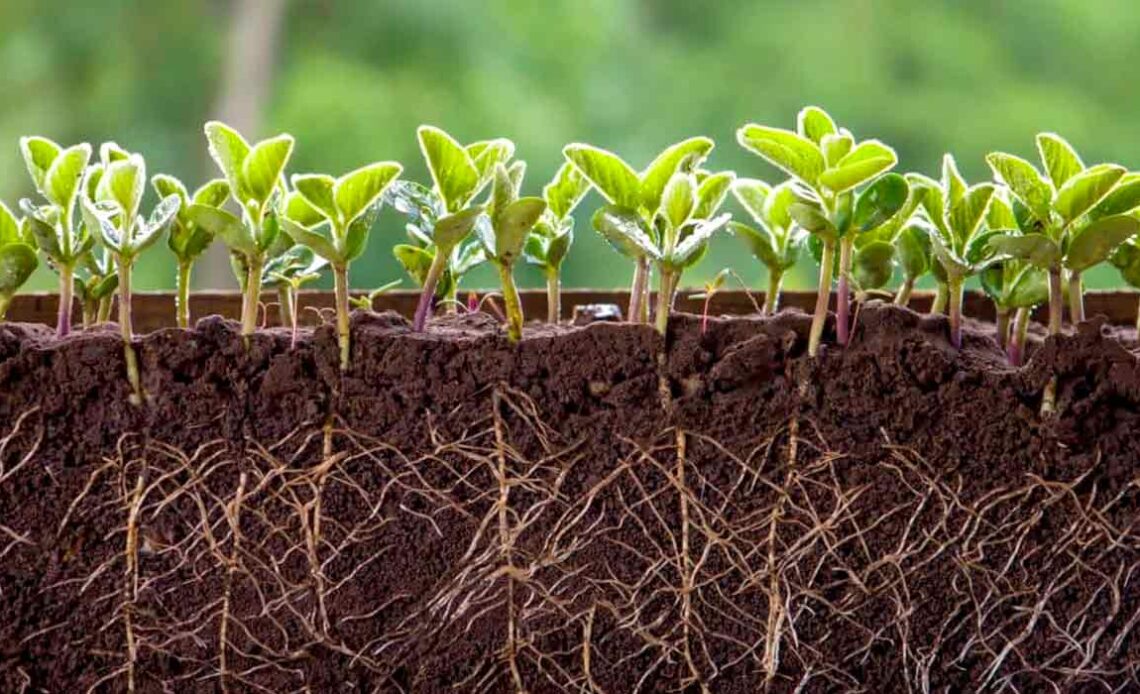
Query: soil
{"x": 595, "y": 509}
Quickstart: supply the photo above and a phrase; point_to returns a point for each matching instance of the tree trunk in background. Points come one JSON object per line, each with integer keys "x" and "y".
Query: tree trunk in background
{"x": 250, "y": 63}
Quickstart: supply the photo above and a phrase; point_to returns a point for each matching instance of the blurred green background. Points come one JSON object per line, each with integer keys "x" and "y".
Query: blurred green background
{"x": 353, "y": 79}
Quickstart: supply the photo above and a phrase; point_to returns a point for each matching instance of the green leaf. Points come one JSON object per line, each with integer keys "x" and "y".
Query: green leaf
{"x": 879, "y": 202}
{"x": 684, "y": 156}
{"x": 760, "y": 242}
{"x": 124, "y": 183}
{"x": 317, "y": 191}
{"x": 515, "y": 173}
{"x": 1037, "y": 249}
{"x": 953, "y": 185}
{"x": 160, "y": 220}
{"x": 1125, "y": 197}
{"x": 452, "y": 170}
{"x": 503, "y": 191}
{"x": 512, "y": 224}
{"x": 931, "y": 198}
{"x": 1085, "y": 189}
{"x": 685, "y": 254}
{"x": 262, "y": 169}
{"x": 312, "y": 239}
{"x": 17, "y": 263}
{"x": 486, "y": 154}
{"x": 559, "y": 247}
{"x": 679, "y": 199}
{"x": 450, "y": 230}
{"x": 873, "y": 265}
{"x": 357, "y": 190}
{"x": 711, "y": 193}
{"x": 978, "y": 250}
{"x": 97, "y": 218}
{"x": 952, "y": 263}
{"x": 223, "y": 225}
{"x": 9, "y": 226}
{"x": 752, "y": 194}
{"x": 869, "y": 159}
{"x": 814, "y": 124}
{"x": 1000, "y": 215}
{"x": 1060, "y": 159}
{"x": 776, "y": 214}
{"x": 967, "y": 214}
{"x": 914, "y": 250}
{"x": 229, "y": 151}
{"x": 300, "y": 210}
{"x": 356, "y": 237}
{"x": 625, "y": 230}
{"x": 166, "y": 186}
{"x": 835, "y": 147}
{"x": 813, "y": 220}
{"x": 788, "y": 151}
{"x": 1096, "y": 242}
{"x": 1024, "y": 182}
{"x": 566, "y": 190}
{"x": 1029, "y": 288}
{"x": 415, "y": 260}
{"x": 61, "y": 182}
{"x": 39, "y": 153}
{"x": 45, "y": 237}
{"x": 608, "y": 173}
{"x": 213, "y": 193}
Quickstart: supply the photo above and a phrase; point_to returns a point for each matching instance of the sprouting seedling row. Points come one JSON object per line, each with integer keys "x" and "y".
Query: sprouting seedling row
{"x": 1028, "y": 236}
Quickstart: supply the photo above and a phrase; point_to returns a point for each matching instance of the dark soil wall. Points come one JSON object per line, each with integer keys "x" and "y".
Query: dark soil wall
{"x": 595, "y": 510}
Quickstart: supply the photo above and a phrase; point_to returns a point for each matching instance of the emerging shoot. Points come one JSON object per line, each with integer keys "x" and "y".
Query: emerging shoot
{"x": 550, "y": 242}
{"x": 710, "y": 290}
{"x": 774, "y": 239}
{"x": 287, "y": 273}
{"x": 17, "y": 257}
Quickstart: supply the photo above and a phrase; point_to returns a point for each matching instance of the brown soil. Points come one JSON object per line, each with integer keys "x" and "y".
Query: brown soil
{"x": 593, "y": 510}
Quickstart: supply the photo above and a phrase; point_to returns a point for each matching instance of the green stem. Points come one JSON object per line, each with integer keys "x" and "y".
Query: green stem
{"x": 666, "y": 289}
{"x": 90, "y": 308}
{"x": 295, "y": 296}
{"x": 1002, "y": 326}
{"x": 646, "y": 295}
{"x": 553, "y": 296}
{"x": 955, "y": 291}
{"x": 903, "y": 296}
{"x": 511, "y": 302}
{"x": 637, "y": 290}
{"x": 340, "y": 276}
{"x": 843, "y": 292}
{"x": 285, "y": 306}
{"x": 105, "y": 305}
{"x": 182, "y": 308}
{"x": 5, "y": 302}
{"x": 822, "y": 298}
{"x": 1016, "y": 349}
{"x": 940, "y": 300}
{"x": 1055, "y": 301}
{"x": 1076, "y": 299}
{"x": 63, "y": 320}
{"x": 772, "y": 298}
{"x": 251, "y": 298}
{"x": 126, "y": 329}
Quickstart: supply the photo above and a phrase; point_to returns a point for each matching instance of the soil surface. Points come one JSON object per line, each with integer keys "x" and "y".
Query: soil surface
{"x": 594, "y": 509}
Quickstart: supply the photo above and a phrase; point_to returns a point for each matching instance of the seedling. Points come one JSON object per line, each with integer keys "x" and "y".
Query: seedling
{"x": 548, "y": 246}
{"x": 1073, "y": 219}
{"x": 957, "y": 239}
{"x": 1126, "y": 259}
{"x": 114, "y": 212}
{"x": 17, "y": 257}
{"x": 504, "y": 230}
{"x": 365, "y": 302}
{"x": 829, "y": 165}
{"x": 775, "y": 240}
{"x": 914, "y": 256}
{"x": 287, "y": 273}
{"x": 96, "y": 281}
{"x": 640, "y": 196}
{"x": 711, "y": 288}
{"x": 680, "y": 233}
{"x": 57, "y": 173}
{"x": 188, "y": 240}
{"x": 335, "y": 224}
{"x": 254, "y": 174}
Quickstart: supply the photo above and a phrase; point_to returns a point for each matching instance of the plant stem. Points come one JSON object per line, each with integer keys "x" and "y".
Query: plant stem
{"x": 126, "y": 329}
{"x": 1076, "y": 299}
{"x": 1055, "y": 301}
{"x": 646, "y": 295}
{"x": 5, "y": 301}
{"x": 251, "y": 298}
{"x": 553, "y": 296}
{"x": 940, "y": 299}
{"x": 902, "y": 298}
{"x": 343, "y": 330}
{"x": 637, "y": 291}
{"x": 955, "y": 290}
{"x": 285, "y": 306}
{"x": 295, "y": 296}
{"x": 182, "y": 307}
{"x": 772, "y": 298}
{"x": 89, "y": 307}
{"x": 843, "y": 293}
{"x": 1002, "y": 326}
{"x": 511, "y": 302}
{"x": 1016, "y": 347}
{"x": 427, "y": 294}
{"x": 63, "y": 322}
{"x": 666, "y": 288}
{"x": 105, "y": 306}
{"x": 822, "y": 298}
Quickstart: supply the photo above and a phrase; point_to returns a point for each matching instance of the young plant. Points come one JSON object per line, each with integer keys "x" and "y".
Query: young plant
{"x": 441, "y": 218}
{"x": 504, "y": 230}
{"x": 188, "y": 240}
{"x": 364, "y": 303}
{"x": 638, "y": 194}
{"x": 554, "y": 233}
{"x": 333, "y": 216}
{"x": 775, "y": 240}
{"x": 680, "y": 233}
{"x": 958, "y": 238}
{"x": 287, "y": 273}
{"x": 96, "y": 281}
{"x": 114, "y": 213}
{"x": 914, "y": 256}
{"x": 57, "y": 173}
{"x": 254, "y": 174}
{"x": 1075, "y": 217}
{"x": 710, "y": 290}
{"x": 17, "y": 257}
{"x": 829, "y": 165}
{"x": 1126, "y": 259}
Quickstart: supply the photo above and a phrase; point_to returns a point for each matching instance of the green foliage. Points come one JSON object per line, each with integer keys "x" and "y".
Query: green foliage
{"x": 773, "y": 238}
{"x": 956, "y": 214}
{"x": 17, "y": 257}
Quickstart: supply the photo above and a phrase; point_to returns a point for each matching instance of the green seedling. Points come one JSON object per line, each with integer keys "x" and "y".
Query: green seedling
{"x": 829, "y": 166}
{"x": 17, "y": 256}
{"x": 96, "y": 281}
{"x": 550, "y": 242}
{"x": 114, "y": 212}
{"x": 333, "y": 217}
{"x": 958, "y": 238}
{"x": 64, "y": 240}
{"x": 639, "y": 194}
{"x": 1070, "y": 220}
{"x": 287, "y": 273}
{"x": 503, "y": 232}
{"x": 679, "y": 235}
{"x": 1126, "y": 259}
{"x": 189, "y": 240}
{"x": 254, "y": 174}
{"x": 710, "y": 290}
{"x": 365, "y": 303}
{"x": 775, "y": 240}
{"x": 914, "y": 257}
